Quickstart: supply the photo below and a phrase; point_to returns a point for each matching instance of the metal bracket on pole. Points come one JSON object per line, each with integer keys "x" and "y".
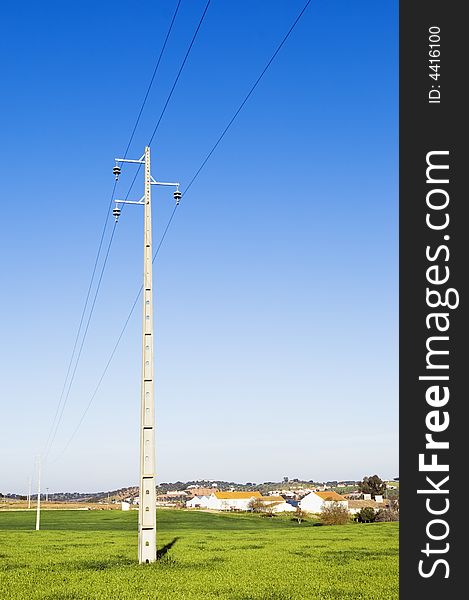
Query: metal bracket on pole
{"x": 141, "y": 160}
{"x": 141, "y": 201}
{"x": 153, "y": 182}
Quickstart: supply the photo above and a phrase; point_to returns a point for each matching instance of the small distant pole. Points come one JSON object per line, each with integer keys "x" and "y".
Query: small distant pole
{"x": 29, "y": 492}
{"x": 47, "y": 494}
{"x": 38, "y": 508}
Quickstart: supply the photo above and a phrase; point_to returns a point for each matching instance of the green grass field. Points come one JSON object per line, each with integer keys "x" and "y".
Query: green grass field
{"x": 87, "y": 555}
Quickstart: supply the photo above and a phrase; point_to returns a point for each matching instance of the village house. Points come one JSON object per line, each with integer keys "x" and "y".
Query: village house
{"x": 231, "y": 500}
{"x": 238, "y": 501}
{"x": 278, "y": 504}
{"x": 198, "y": 502}
{"x": 314, "y": 501}
{"x": 355, "y": 506}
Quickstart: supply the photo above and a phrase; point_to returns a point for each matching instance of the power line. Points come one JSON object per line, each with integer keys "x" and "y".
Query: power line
{"x": 171, "y": 91}
{"x": 90, "y": 314}
{"x": 98, "y": 385}
{"x": 222, "y": 135}
{"x": 82, "y": 317}
{"x": 248, "y": 95}
{"x": 59, "y": 411}
{"x": 137, "y": 171}
{"x": 152, "y": 78}
{"x": 179, "y": 72}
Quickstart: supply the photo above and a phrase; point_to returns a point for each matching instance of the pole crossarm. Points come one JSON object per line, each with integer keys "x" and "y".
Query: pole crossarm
{"x": 140, "y": 161}
{"x": 141, "y": 201}
{"x": 153, "y": 182}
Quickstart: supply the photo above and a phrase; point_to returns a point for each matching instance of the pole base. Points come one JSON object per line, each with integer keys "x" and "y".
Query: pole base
{"x": 147, "y": 546}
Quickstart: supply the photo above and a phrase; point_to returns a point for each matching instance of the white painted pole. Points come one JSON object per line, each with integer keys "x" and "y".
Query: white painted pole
{"x": 38, "y": 508}
{"x": 47, "y": 494}
{"x": 29, "y": 492}
{"x": 147, "y": 506}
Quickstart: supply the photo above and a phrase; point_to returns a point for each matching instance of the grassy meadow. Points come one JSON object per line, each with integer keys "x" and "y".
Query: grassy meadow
{"x": 91, "y": 555}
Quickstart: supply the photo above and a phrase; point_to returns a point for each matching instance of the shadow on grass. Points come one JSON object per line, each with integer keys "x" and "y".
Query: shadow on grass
{"x": 165, "y": 549}
{"x": 112, "y": 562}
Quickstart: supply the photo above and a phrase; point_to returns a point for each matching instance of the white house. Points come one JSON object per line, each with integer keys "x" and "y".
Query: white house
{"x": 355, "y": 506}
{"x": 314, "y": 502}
{"x": 198, "y": 502}
{"x": 283, "y": 507}
{"x": 277, "y": 503}
{"x": 231, "y": 500}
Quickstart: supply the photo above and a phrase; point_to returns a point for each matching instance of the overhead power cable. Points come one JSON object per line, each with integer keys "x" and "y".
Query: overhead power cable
{"x": 90, "y": 314}
{"x": 204, "y": 162}
{"x": 179, "y": 72}
{"x": 45, "y": 449}
{"x": 98, "y": 385}
{"x": 171, "y": 91}
{"x": 61, "y": 403}
{"x": 152, "y": 79}
{"x": 248, "y": 95}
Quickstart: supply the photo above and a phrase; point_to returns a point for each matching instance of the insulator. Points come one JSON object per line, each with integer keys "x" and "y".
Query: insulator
{"x": 117, "y": 171}
{"x": 177, "y": 196}
{"x": 116, "y": 212}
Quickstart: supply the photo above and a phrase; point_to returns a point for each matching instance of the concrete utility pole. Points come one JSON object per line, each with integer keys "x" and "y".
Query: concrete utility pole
{"x": 38, "y": 507}
{"x": 29, "y": 492}
{"x": 147, "y": 505}
{"x": 47, "y": 494}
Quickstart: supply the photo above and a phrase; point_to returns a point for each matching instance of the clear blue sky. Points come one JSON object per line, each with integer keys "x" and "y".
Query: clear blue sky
{"x": 276, "y": 287}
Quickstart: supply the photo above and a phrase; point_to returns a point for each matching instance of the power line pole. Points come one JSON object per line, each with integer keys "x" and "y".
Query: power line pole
{"x": 147, "y": 505}
{"x": 47, "y": 494}
{"x": 38, "y": 507}
{"x": 29, "y": 492}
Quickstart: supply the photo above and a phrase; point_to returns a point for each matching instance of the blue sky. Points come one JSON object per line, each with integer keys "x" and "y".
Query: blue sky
{"x": 276, "y": 287}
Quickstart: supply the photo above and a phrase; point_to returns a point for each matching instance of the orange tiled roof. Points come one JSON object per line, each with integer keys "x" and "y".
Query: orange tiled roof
{"x": 367, "y": 504}
{"x": 237, "y": 495}
{"x": 272, "y": 498}
{"x": 330, "y": 496}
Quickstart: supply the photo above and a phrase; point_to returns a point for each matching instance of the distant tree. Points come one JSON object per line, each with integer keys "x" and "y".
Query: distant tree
{"x": 392, "y": 495}
{"x": 367, "y": 515}
{"x": 373, "y": 485}
{"x": 334, "y": 513}
{"x": 269, "y": 509}
{"x": 391, "y": 512}
{"x": 256, "y": 505}
{"x": 387, "y": 515}
{"x": 262, "y": 507}
{"x": 300, "y": 515}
